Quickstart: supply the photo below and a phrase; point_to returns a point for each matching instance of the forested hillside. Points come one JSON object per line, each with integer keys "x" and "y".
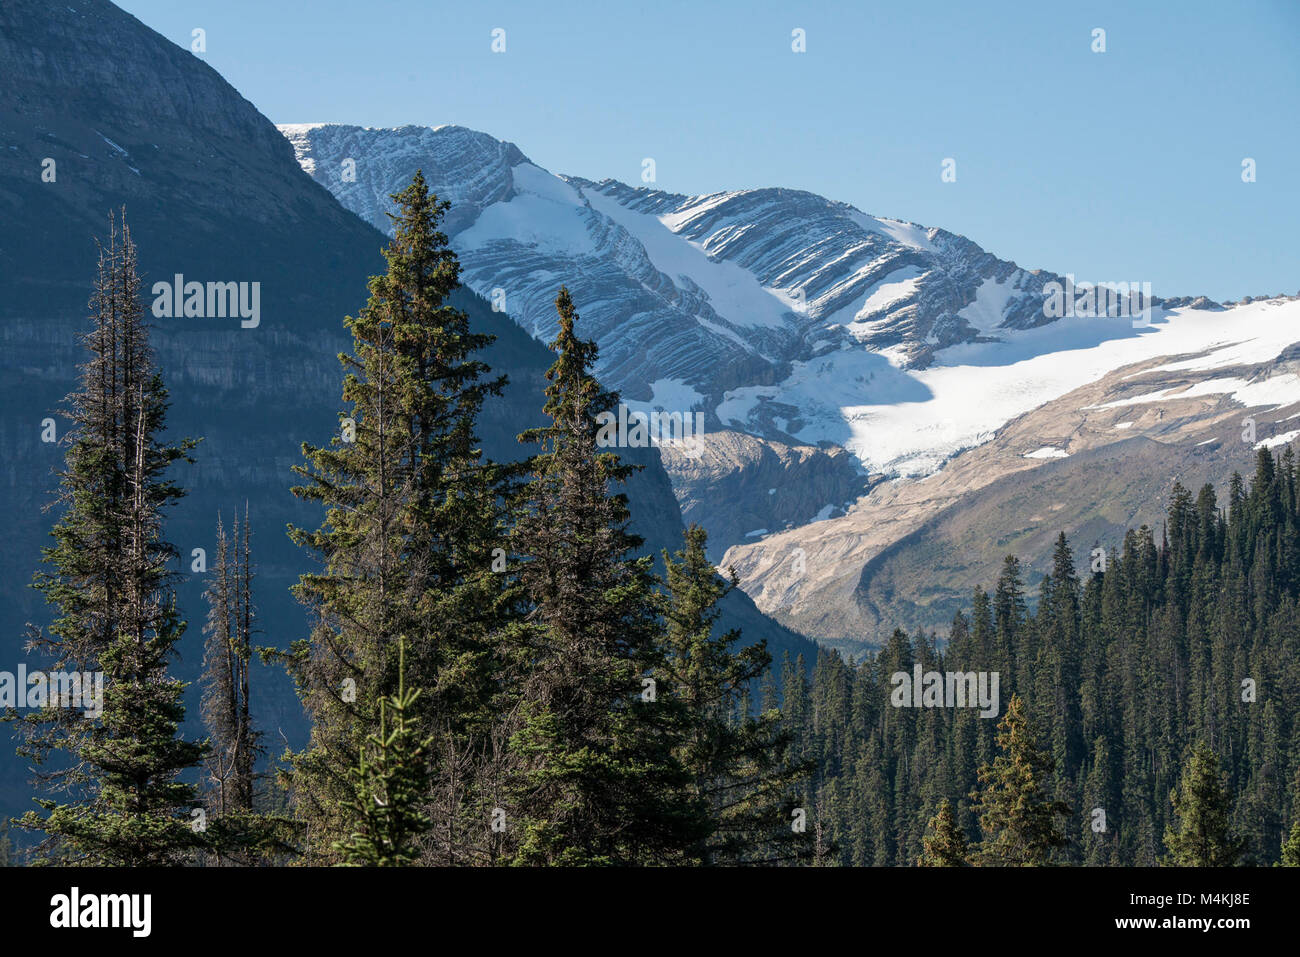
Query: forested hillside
{"x": 1190, "y": 636}
{"x": 495, "y": 672}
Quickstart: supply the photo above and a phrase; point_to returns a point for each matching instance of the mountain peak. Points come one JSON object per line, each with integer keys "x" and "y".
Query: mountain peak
{"x": 362, "y": 166}
{"x": 713, "y": 292}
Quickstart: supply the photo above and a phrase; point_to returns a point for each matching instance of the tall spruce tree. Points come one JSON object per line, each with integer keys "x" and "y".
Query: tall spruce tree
{"x": 599, "y": 783}
{"x": 122, "y": 800}
{"x": 741, "y": 772}
{"x": 945, "y": 844}
{"x": 1203, "y": 807}
{"x": 1019, "y": 818}
{"x": 413, "y": 515}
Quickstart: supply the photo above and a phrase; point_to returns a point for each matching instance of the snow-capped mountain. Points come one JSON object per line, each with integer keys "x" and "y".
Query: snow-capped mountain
{"x": 772, "y": 310}
{"x": 811, "y": 326}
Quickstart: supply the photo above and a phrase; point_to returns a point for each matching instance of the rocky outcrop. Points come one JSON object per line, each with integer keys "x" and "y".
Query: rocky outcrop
{"x": 797, "y": 324}
{"x": 740, "y": 487}
{"x": 363, "y": 167}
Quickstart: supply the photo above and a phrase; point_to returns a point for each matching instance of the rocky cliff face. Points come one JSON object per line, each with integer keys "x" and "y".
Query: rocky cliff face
{"x": 739, "y": 486}
{"x": 128, "y": 118}
{"x": 361, "y": 167}
{"x": 212, "y": 191}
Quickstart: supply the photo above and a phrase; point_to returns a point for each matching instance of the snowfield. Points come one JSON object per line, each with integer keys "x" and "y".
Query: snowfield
{"x": 907, "y": 423}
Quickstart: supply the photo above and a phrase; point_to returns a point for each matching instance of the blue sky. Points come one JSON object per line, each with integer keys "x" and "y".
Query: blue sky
{"x": 1115, "y": 166}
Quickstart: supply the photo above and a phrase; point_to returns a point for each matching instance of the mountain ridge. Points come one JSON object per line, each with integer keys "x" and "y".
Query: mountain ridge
{"x": 881, "y": 246}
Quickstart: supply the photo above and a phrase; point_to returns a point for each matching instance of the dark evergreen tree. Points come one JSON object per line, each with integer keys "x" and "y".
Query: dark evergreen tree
{"x": 122, "y": 800}
{"x": 740, "y": 772}
{"x": 1203, "y": 807}
{"x": 1019, "y": 818}
{"x": 412, "y": 526}
{"x": 1291, "y": 847}
{"x": 599, "y": 783}
{"x": 945, "y": 844}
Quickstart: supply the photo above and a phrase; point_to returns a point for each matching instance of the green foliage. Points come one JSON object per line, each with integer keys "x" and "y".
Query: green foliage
{"x": 1018, "y": 817}
{"x": 494, "y": 675}
{"x": 944, "y": 844}
{"x": 391, "y": 780}
{"x": 741, "y": 774}
{"x": 1291, "y": 847}
{"x": 1202, "y": 806}
{"x": 107, "y": 576}
{"x": 412, "y": 518}
{"x": 598, "y": 782}
{"x": 484, "y": 667}
{"x": 1186, "y": 636}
